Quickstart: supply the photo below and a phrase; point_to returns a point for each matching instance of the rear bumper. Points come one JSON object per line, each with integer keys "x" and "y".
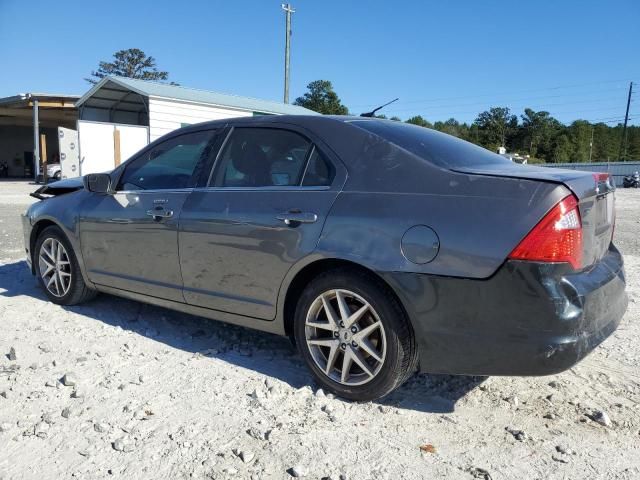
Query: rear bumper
{"x": 527, "y": 319}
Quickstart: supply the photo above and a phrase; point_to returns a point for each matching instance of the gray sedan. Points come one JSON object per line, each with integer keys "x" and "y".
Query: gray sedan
{"x": 381, "y": 248}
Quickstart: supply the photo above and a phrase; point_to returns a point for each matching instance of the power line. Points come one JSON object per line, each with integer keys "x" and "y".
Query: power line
{"x": 501, "y": 99}
{"x": 619, "y": 120}
{"x": 521, "y": 102}
{"x": 503, "y": 93}
{"x": 554, "y": 112}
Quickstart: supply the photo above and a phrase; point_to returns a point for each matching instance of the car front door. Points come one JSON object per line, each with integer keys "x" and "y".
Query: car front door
{"x": 129, "y": 238}
{"x": 262, "y": 210}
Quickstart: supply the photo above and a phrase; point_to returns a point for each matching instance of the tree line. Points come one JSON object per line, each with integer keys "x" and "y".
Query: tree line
{"x": 533, "y": 133}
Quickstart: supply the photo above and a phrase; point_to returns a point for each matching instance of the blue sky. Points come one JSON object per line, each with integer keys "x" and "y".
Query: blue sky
{"x": 443, "y": 59}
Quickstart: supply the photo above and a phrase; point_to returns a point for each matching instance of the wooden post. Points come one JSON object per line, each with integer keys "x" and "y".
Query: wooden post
{"x": 43, "y": 153}
{"x": 116, "y": 147}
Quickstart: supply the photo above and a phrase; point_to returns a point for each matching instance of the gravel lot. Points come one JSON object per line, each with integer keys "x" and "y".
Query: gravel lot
{"x": 155, "y": 394}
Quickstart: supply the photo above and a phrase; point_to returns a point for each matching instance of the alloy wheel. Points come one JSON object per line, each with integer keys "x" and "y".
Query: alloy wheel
{"x": 345, "y": 337}
{"x": 55, "y": 267}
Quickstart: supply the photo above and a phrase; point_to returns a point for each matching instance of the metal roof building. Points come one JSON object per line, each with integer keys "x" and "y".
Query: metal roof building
{"x": 119, "y": 116}
{"x": 163, "y": 107}
{"x": 28, "y": 130}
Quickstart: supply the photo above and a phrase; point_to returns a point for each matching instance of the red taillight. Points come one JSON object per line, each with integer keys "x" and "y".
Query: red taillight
{"x": 556, "y": 238}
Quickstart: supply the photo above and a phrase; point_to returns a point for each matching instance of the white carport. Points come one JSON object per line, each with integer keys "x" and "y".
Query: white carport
{"x": 114, "y": 105}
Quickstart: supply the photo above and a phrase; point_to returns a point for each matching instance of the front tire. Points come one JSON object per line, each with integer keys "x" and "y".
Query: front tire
{"x": 57, "y": 269}
{"x": 354, "y": 335}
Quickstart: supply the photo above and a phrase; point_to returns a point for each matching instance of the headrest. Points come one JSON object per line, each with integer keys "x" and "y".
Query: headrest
{"x": 248, "y": 157}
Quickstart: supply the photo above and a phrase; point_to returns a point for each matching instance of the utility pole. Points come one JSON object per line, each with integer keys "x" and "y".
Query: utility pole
{"x": 591, "y": 143}
{"x": 36, "y": 140}
{"x": 288, "y": 11}
{"x": 623, "y": 140}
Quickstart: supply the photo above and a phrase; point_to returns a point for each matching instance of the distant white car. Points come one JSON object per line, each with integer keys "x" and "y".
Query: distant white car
{"x": 54, "y": 171}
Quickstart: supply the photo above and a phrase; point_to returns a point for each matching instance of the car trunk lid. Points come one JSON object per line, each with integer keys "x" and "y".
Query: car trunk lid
{"x": 594, "y": 191}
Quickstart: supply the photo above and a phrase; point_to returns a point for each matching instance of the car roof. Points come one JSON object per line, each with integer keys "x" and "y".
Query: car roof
{"x": 302, "y": 120}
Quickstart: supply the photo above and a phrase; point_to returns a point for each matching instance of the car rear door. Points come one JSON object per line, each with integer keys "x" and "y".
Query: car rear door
{"x": 129, "y": 239}
{"x": 261, "y": 210}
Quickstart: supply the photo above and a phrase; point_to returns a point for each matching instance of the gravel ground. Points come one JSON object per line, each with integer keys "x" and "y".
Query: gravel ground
{"x": 118, "y": 389}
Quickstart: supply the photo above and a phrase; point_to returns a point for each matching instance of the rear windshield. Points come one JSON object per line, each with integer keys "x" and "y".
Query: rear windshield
{"x": 436, "y": 147}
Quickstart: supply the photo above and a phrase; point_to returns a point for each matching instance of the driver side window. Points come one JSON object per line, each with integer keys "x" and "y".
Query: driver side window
{"x": 169, "y": 165}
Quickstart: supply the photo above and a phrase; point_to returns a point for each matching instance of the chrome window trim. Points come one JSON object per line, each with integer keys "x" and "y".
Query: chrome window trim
{"x": 218, "y": 154}
{"x": 156, "y": 190}
{"x": 274, "y": 188}
{"x": 306, "y": 165}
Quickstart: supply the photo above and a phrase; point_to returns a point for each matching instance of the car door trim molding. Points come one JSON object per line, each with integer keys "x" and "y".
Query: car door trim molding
{"x": 228, "y": 296}
{"x": 274, "y": 188}
{"x": 156, "y": 191}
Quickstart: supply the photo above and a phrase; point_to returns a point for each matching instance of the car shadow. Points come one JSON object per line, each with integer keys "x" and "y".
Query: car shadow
{"x": 262, "y": 352}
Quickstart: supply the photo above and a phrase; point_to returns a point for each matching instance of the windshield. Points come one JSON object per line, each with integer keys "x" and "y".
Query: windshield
{"x": 435, "y": 147}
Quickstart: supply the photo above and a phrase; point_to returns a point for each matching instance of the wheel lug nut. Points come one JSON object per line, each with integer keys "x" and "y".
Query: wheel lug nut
{"x": 354, "y": 344}
{"x": 341, "y": 324}
{"x": 354, "y": 329}
{"x": 343, "y": 346}
{"x": 336, "y": 334}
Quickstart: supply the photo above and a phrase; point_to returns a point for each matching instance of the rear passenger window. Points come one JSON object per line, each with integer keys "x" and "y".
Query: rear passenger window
{"x": 262, "y": 157}
{"x": 319, "y": 171}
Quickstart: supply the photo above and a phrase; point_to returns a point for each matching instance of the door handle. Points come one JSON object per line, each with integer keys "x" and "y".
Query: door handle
{"x": 296, "y": 217}
{"x": 159, "y": 213}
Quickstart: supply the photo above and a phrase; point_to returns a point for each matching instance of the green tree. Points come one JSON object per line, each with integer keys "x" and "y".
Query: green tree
{"x": 496, "y": 126}
{"x": 633, "y": 143}
{"x": 539, "y": 129}
{"x": 562, "y": 151}
{"x": 540, "y": 135}
{"x": 580, "y": 136}
{"x": 606, "y": 142}
{"x": 132, "y": 63}
{"x": 322, "y": 99}
{"x": 418, "y": 120}
{"x": 453, "y": 127}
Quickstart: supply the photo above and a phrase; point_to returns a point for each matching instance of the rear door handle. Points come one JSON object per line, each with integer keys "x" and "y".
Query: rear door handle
{"x": 294, "y": 218}
{"x": 159, "y": 213}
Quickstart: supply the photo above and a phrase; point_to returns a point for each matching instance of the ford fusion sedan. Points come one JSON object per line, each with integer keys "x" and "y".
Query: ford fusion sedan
{"x": 381, "y": 248}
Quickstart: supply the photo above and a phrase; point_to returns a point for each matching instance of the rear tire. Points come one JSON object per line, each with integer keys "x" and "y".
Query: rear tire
{"x": 347, "y": 321}
{"x": 57, "y": 269}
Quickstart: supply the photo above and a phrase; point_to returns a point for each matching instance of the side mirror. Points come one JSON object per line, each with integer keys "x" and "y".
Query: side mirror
{"x": 97, "y": 182}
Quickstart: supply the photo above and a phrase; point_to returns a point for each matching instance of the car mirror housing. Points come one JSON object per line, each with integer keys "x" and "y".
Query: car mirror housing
{"x": 98, "y": 182}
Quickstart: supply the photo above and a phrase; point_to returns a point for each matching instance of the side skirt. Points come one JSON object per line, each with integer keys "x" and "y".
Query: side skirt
{"x": 274, "y": 326}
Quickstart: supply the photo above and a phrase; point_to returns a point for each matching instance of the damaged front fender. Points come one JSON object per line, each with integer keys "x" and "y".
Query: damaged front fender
{"x": 60, "y": 187}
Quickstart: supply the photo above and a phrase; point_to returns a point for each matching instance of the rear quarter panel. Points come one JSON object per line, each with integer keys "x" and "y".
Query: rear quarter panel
{"x": 479, "y": 221}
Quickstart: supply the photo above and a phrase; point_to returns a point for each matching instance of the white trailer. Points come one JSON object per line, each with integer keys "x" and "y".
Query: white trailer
{"x": 103, "y": 146}
{"x": 68, "y": 149}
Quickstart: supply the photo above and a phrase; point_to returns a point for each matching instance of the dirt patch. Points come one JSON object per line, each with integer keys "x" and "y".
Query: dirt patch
{"x": 120, "y": 389}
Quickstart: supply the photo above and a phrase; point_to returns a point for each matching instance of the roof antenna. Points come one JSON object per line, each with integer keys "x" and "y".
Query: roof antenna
{"x": 372, "y": 113}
